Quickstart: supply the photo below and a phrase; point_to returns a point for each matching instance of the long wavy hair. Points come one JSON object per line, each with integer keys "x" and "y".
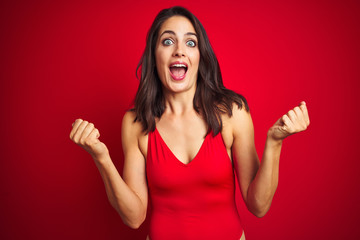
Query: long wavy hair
{"x": 211, "y": 98}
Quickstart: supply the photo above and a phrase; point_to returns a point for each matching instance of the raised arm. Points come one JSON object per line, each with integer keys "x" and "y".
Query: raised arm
{"x": 258, "y": 182}
{"x": 129, "y": 195}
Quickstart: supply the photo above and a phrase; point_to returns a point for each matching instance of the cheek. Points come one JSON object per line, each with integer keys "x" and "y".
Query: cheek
{"x": 198, "y": 59}
{"x": 160, "y": 59}
{"x": 195, "y": 58}
{"x": 158, "y": 63}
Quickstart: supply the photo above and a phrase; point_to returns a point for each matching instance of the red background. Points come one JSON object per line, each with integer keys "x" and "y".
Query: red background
{"x": 66, "y": 60}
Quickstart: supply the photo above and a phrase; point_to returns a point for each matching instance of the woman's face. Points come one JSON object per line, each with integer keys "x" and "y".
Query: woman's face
{"x": 177, "y": 55}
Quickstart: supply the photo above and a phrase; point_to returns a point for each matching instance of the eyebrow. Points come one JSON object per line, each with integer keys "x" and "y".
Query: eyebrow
{"x": 173, "y": 33}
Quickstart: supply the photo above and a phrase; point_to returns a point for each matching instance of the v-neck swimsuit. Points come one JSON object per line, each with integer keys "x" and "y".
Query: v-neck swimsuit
{"x": 195, "y": 200}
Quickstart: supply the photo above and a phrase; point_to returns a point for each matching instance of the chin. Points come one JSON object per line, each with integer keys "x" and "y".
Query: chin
{"x": 180, "y": 88}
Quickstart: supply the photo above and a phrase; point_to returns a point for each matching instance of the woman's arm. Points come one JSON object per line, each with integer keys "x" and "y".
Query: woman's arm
{"x": 258, "y": 182}
{"x": 129, "y": 195}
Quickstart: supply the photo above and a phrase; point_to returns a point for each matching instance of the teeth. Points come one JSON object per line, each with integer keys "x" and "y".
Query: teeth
{"x": 178, "y": 65}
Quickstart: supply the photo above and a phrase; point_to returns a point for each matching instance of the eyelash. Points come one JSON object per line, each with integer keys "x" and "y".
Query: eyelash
{"x": 191, "y": 41}
{"x": 167, "y": 39}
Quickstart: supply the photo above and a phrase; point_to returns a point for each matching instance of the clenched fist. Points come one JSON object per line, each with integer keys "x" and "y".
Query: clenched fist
{"x": 296, "y": 120}
{"x": 87, "y": 136}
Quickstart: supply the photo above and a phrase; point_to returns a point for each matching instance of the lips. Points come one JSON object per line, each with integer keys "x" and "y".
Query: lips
{"x": 178, "y": 70}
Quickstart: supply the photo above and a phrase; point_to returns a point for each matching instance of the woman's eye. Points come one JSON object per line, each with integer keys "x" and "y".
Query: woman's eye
{"x": 191, "y": 43}
{"x": 167, "y": 42}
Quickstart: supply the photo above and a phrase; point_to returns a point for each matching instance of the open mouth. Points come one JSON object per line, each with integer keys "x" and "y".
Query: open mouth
{"x": 178, "y": 70}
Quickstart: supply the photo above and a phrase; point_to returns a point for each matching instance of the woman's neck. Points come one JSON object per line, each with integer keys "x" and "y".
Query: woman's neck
{"x": 179, "y": 103}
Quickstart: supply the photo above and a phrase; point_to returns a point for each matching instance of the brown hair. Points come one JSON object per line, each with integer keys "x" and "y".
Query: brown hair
{"x": 211, "y": 97}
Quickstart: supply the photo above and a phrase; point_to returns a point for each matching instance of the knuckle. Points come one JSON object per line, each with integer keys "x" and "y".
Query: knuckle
{"x": 81, "y": 141}
{"x": 76, "y": 140}
{"x": 79, "y": 120}
{"x": 286, "y": 118}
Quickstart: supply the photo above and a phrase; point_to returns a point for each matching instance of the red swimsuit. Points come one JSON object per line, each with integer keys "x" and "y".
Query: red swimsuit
{"x": 194, "y": 200}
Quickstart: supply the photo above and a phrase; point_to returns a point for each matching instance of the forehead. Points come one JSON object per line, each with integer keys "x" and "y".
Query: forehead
{"x": 178, "y": 24}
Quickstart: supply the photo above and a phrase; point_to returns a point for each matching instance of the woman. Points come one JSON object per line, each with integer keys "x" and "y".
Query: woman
{"x": 189, "y": 177}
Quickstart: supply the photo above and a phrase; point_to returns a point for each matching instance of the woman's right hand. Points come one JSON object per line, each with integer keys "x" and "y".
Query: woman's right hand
{"x": 87, "y": 136}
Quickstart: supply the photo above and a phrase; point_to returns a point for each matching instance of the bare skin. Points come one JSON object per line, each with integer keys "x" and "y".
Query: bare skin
{"x": 183, "y": 130}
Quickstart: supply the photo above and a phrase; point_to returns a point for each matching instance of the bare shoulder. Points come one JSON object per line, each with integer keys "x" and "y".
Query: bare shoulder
{"x": 130, "y": 128}
{"x": 128, "y": 122}
{"x": 132, "y": 134}
{"x": 240, "y": 121}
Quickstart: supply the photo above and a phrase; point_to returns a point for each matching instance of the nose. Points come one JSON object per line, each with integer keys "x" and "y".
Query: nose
{"x": 179, "y": 51}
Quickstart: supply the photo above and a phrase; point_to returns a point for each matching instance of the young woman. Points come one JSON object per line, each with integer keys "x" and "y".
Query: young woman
{"x": 184, "y": 139}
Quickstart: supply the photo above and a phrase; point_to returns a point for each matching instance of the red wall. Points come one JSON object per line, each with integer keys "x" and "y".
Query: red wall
{"x": 64, "y": 60}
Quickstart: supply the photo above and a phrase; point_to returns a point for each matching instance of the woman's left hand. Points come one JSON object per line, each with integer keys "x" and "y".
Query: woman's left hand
{"x": 294, "y": 121}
